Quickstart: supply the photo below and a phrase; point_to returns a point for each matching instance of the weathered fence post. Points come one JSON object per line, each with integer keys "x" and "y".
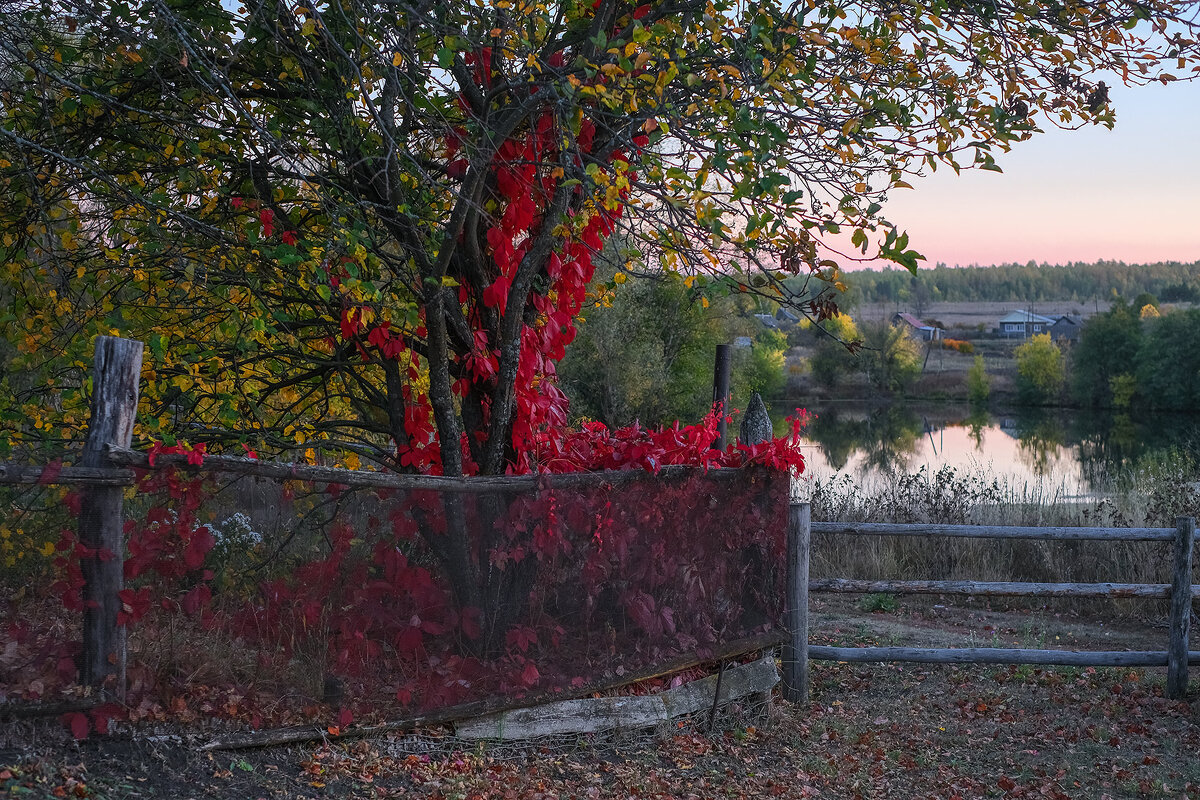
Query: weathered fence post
{"x": 795, "y": 651}
{"x": 116, "y": 371}
{"x": 1181, "y": 609}
{"x": 721, "y": 371}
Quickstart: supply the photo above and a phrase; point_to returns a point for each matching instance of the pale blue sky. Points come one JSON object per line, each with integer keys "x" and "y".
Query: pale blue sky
{"x": 1130, "y": 194}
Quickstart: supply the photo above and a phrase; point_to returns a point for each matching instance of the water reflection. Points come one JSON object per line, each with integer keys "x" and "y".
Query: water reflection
{"x": 1071, "y": 452}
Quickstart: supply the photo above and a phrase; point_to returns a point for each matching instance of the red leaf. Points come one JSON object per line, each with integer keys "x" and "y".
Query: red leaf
{"x": 78, "y": 724}
{"x": 641, "y": 11}
{"x": 345, "y": 717}
{"x": 50, "y": 472}
{"x": 267, "y": 218}
{"x": 196, "y": 599}
{"x": 201, "y": 542}
{"x": 530, "y": 675}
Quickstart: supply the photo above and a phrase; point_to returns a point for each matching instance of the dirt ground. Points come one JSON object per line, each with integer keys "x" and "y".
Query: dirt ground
{"x": 870, "y": 731}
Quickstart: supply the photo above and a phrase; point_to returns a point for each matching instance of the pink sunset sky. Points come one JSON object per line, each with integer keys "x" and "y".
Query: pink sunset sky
{"x": 1130, "y": 194}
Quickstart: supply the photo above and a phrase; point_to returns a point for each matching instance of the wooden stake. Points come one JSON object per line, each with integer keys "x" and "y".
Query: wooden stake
{"x": 721, "y": 371}
{"x": 795, "y": 650}
{"x": 1180, "y": 622}
{"x": 116, "y": 371}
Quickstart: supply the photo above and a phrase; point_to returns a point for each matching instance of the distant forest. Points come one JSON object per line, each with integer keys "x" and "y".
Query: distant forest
{"x": 1169, "y": 282}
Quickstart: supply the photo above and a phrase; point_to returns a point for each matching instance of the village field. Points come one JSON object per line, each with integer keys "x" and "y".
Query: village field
{"x": 962, "y": 320}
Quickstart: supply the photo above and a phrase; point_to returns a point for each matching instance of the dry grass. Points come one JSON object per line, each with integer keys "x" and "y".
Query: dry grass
{"x": 1152, "y": 494}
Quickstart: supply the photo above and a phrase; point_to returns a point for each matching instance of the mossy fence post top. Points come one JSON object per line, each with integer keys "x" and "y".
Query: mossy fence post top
{"x": 116, "y": 371}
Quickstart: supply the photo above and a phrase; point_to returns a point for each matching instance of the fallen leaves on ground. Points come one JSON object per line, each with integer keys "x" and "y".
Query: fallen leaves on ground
{"x": 870, "y": 732}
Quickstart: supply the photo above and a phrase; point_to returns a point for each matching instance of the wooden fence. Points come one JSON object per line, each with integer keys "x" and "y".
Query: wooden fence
{"x": 1179, "y": 591}
{"x": 104, "y": 471}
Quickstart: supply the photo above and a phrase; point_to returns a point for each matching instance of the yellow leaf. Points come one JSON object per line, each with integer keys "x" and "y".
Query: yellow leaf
{"x": 619, "y": 277}
{"x": 397, "y": 59}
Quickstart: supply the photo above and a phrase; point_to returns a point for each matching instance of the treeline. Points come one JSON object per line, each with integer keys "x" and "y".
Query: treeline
{"x": 1132, "y": 356}
{"x": 1127, "y": 358}
{"x": 1171, "y": 282}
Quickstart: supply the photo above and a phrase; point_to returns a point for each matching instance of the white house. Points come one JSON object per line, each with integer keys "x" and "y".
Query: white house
{"x": 1022, "y": 324}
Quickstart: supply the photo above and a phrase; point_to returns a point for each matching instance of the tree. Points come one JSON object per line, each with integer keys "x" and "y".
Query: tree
{"x": 1040, "y": 370}
{"x": 830, "y": 360}
{"x": 979, "y": 385}
{"x": 370, "y": 226}
{"x": 1168, "y": 363}
{"x": 891, "y": 357}
{"x": 1108, "y": 347}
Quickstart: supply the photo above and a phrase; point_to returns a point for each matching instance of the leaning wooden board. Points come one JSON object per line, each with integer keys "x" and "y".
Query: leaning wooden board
{"x": 597, "y": 714}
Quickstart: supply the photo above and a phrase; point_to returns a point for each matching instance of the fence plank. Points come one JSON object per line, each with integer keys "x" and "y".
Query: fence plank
{"x": 116, "y": 370}
{"x": 389, "y": 480}
{"x": 995, "y": 588}
{"x": 591, "y": 715}
{"x": 1180, "y": 620}
{"x": 65, "y": 476}
{"x": 316, "y": 733}
{"x": 795, "y": 649}
{"x": 994, "y": 655}
{"x": 996, "y": 531}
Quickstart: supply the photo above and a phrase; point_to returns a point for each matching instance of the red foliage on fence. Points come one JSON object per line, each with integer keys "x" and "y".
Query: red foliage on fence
{"x": 403, "y": 602}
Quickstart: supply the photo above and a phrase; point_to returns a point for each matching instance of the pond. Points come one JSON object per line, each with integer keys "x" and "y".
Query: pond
{"x": 1068, "y": 453}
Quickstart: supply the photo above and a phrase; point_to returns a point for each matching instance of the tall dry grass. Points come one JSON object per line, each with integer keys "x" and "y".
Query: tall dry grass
{"x": 1151, "y": 493}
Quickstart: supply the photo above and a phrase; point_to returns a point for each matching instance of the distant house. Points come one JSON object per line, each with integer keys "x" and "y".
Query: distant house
{"x": 917, "y": 327}
{"x": 1022, "y": 324}
{"x": 768, "y": 321}
{"x": 786, "y": 317}
{"x": 1066, "y": 328}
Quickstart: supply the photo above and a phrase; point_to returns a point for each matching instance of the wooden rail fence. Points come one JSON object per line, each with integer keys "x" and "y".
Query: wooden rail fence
{"x": 105, "y": 470}
{"x": 1180, "y": 591}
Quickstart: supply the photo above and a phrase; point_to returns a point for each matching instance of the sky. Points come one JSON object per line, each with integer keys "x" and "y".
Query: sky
{"x": 1131, "y": 194}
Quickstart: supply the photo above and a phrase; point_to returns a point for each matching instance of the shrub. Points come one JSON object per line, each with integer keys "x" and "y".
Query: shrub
{"x": 979, "y": 385}
{"x": 962, "y": 346}
{"x": 1040, "y": 370}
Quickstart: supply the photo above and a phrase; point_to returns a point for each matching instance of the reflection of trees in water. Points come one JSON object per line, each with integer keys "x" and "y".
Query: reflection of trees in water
{"x": 1040, "y": 437}
{"x": 976, "y": 422}
{"x": 1111, "y": 441}
{"x": 1103, "y": 443}
{"x": 886, "y": 436}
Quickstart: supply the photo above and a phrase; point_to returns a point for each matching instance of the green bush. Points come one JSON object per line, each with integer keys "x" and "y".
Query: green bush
{"x": 1041, "y": 370}
{"x": 979, "y": 385}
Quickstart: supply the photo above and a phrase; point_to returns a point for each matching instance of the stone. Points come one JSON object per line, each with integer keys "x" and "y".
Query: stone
{"x": 756, "y": 423}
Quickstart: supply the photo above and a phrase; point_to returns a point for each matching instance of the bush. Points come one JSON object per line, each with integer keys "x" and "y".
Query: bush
{"x": 964, "y": 347}
{"x": 1040, "y": 370}
{"x": 979, "y": 385}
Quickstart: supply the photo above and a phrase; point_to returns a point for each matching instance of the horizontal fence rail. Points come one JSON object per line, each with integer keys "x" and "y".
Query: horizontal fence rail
{"x": 998, "y": 655}
{"x": 996, "y": 532}
{"x": 386, "y": 480}
{"x": 57, "y": 475}
{"x": 1147, "y": 591}
{"x": 1180, "y": 592}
